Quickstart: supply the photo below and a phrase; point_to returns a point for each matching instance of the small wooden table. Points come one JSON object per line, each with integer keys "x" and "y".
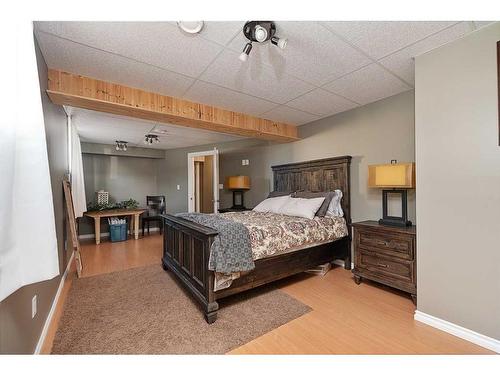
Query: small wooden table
{"x": 97, "y": 215}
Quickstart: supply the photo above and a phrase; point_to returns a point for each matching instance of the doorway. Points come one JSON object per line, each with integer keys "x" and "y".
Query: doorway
{"x": 203, "y": 181}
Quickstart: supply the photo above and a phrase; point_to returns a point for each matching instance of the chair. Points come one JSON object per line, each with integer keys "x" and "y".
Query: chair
{"x": 155, "y": 207}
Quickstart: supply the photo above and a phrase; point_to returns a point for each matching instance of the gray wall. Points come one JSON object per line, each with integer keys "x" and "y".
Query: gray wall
{"x": 123, "y": 177}
{"x": 172, "y": 171}
{"x": 20, "y": 333}
{"x": 375, "y": 133}
{"x": 458, "y": 182}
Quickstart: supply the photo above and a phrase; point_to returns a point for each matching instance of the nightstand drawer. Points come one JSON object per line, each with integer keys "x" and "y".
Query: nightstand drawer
{"x": 399, "y": 269}
{"x": 394, "y": 245}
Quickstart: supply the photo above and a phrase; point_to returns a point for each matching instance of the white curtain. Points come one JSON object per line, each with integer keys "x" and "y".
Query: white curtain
{"x": 28, "y": 245}
{"x": 77, "y": 182}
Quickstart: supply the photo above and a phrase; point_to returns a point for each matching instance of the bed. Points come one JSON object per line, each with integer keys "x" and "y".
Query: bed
{"x": 186, "y": 244}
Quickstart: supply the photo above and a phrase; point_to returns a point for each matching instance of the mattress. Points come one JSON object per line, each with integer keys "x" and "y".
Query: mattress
{"x": 274, "y": 234}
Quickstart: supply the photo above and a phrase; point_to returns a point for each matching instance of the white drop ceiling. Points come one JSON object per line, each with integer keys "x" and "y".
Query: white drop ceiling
{"x": 97, "y": 127}
{"x": 326, "y": 68}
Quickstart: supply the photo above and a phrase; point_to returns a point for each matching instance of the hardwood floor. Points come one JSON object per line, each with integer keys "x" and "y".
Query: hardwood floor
{"x": 346, "y": 318}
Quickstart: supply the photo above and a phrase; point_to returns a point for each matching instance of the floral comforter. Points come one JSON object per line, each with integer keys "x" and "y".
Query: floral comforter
{"x": 273, "y": 234}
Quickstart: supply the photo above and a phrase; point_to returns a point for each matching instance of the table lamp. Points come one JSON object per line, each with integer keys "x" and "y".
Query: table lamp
{"x": 238, "y": 184}
{"x": 394, "y": 178}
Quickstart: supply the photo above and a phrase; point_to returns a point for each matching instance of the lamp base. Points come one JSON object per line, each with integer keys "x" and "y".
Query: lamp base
{"x": 395, "y": 221}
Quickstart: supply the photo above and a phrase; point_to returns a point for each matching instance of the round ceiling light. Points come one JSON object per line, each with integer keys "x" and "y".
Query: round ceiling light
{"x": 190, "y": 27}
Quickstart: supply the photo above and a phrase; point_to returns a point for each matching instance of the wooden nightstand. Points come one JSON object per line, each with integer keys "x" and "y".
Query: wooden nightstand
{"x": 223, "y": 210}
{"x": 387, "y": 255}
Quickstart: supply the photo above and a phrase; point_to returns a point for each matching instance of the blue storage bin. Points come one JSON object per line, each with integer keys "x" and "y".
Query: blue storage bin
{"x": 118, "y": 232}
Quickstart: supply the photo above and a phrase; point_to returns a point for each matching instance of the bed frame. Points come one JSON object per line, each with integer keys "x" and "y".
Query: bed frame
{"x": 186, "y": 245}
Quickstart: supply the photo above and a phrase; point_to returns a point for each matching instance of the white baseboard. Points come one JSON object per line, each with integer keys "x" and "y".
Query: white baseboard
{"x": 340, "y": 262}
{"x": 53, "y": 307}
{"x": 456, "y": 330}
{"x": 106, "y": 234}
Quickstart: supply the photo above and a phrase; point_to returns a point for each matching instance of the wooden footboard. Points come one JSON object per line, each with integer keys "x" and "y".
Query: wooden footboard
{"x": 186, "y": 251}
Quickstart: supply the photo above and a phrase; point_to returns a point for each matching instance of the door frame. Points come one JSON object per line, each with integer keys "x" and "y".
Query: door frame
{"x": 215, "y": 160}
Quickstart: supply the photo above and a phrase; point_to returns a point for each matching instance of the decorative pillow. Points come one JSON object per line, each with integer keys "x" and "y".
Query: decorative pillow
{"x": 302, "y": 207}
{"x": 335, "y": 206}
{"x": 272, "y": 204}
{"x": 324, "y": 207}
{"x": 274, "y": 194}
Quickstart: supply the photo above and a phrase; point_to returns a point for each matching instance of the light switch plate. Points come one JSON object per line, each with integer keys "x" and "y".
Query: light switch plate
{"x": 221, "y": 186}
{"x": 178, "y": 187}
{"x": 34, "y": 303}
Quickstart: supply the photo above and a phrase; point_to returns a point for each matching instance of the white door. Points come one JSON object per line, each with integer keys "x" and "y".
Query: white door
{"x": 216, "y": 180}
{"x": 191, "y": 178}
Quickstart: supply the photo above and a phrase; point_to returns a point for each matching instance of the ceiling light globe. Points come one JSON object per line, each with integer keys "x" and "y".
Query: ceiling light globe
{"x": 243, "y": 57}
{"x": 191, "y": 27}
{"x": 282, "y": 42}
{"x": 260, "y": 34}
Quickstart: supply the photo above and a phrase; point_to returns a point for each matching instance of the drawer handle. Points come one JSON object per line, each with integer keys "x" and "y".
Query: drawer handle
{"x": 383, "y": 243}
{"x": 382, "y": 265}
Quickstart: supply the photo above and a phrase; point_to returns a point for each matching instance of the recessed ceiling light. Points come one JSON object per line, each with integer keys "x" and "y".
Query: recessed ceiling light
{"x": 190, "y": 27}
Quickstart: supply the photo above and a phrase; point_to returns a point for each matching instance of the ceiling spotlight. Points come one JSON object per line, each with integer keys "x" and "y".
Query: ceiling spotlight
{"x": 260, "y": 32}
{"x": 190, "y": 27}
{"x": 246, "y": 51}
{"x": 280, "y": 42}
{"x": 149, "y": 139}
{"x": 121, "y": 146}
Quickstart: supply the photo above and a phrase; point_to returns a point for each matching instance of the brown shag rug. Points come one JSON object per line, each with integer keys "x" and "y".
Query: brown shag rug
{"x": 145, "y": 311}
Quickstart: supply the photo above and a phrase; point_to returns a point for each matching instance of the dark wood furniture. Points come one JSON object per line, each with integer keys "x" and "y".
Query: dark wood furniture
{"x": 155, "y": 208}
{"x": 387, "y": 255}
{"x": 186, "y": 247}
{"x": 231, "y": 209}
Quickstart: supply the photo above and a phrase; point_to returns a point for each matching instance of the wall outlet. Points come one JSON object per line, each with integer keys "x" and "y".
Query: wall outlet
{"x": 34, "y": 302}
{"x": 178, "y": 187}
{"x": 221, "y": 186}
{"x": 245, "y": 162}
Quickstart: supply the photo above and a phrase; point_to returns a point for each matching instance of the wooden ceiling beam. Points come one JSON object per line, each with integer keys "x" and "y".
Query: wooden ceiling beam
{"x": 89, "y": 93}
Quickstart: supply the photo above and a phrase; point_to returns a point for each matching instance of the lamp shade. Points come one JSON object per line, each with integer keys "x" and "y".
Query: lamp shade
{"x": 401, "y": 175}
{"x": 238, "y": 182}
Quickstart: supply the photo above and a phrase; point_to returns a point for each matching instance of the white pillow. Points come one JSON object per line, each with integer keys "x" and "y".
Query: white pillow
{"x": 272, "y": 204}
{"x": 335, "y": 208}
{"x": 302, "y": 207}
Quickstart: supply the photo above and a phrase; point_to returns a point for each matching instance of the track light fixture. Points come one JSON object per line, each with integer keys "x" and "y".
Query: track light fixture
{"x": 121, "y": 146}
{"x": 246, "y": 52}
{"x": 260, "y": 32}
{"x": 149, "y": 139}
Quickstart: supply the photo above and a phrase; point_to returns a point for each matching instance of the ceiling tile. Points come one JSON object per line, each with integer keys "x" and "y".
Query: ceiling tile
{"x": 208, "y": 93}
{"x": 75, "y": 58}
{"x": 222, "y": 32}
{"x": 283, "y": 113}
{"x": 158, "y": 43}
{"x": 402, "y": 63}
{"x": 321, "y": 102}
{"x": 380, "y": 38}
{"x": 258, "y": 80}
{"x": 313, "y": 53}
{"x": 479, "y": 24}
{"x": 98, "y": 127}
{"x": 367, "y": 85}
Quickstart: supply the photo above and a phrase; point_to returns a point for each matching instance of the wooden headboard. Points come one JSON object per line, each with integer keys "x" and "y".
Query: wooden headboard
{"x": 317, "y": 176}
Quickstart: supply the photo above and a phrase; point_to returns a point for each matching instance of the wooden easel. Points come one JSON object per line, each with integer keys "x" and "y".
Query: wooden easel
{"x": 70, "y": 212}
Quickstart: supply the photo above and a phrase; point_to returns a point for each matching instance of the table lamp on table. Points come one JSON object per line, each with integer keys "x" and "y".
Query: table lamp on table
{"x": 238, "y": 184}
{"x": 394, "y": 178}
